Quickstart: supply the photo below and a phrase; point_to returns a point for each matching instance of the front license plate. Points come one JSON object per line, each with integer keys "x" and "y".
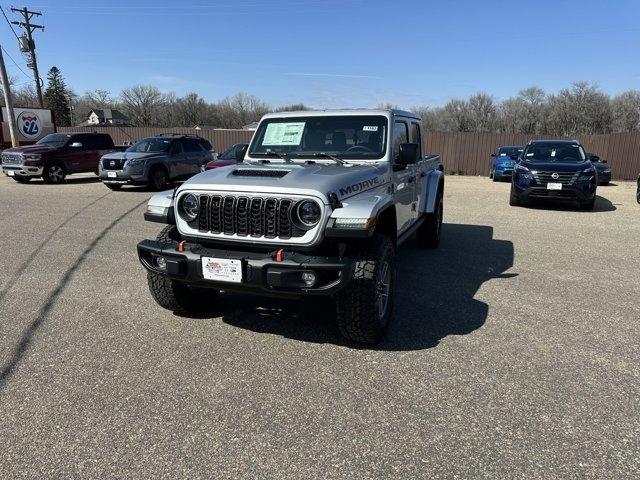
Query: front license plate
{"x": 554, "y": 186}
{"x": 11, "y": 173}
{"x": 111, "y": 174}
{"x": 222, "y": 269}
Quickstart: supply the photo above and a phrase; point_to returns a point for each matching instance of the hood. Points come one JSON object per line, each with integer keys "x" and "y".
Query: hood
{"x": 27, "y": 149}
{"x": 320, "y": 179}
{"x": 557, "y": 166}
{"x": 132, "y": 155}
{"x": 506, "y": 159}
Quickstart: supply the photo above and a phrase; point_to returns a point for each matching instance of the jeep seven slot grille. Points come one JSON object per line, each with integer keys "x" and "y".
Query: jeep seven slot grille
{"x": 247, "y": 216}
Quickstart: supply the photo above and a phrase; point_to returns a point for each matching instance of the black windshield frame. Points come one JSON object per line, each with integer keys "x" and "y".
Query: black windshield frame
{"x": 354, "y": 127}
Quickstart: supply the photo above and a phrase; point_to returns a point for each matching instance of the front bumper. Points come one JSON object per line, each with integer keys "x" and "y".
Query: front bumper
{"x": 503, "y": 170}
{"x": 580, "y": 191}
{"x": 126, "y": 176}
{"x": 22, "y": 170}
{"x": 261, "y": 273}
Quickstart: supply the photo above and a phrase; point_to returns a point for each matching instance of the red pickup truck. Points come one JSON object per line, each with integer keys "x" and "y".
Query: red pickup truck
{"x": 57, "y": 155}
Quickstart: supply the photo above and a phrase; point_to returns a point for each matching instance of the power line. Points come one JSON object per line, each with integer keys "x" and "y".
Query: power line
{"x": 9, "y": 23}
{"x": 14, "y": 62}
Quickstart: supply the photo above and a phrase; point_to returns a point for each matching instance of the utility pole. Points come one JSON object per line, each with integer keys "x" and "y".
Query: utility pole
{"x": 27, "y": 45}
{"x": 8, "y": 102}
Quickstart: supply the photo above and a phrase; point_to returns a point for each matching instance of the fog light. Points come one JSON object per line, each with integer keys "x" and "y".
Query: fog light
{"x": 309, "y": 278}
{"x": 161, "y": 263}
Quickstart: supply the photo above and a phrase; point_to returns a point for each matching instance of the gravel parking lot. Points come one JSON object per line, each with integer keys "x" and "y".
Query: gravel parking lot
{"x": 514, "y": 352}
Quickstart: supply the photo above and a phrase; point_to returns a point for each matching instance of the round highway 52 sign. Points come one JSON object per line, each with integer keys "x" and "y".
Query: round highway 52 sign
{"x": 29, "y": 124}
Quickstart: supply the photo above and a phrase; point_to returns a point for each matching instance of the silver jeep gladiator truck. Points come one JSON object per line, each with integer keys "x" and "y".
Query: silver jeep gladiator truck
{"x": 318, "y": 206}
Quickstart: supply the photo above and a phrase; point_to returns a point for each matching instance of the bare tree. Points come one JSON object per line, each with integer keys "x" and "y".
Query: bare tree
{"x": 626, "y": 111}
{"x": 143, "y": 104}
{"x": 482, "y": 113}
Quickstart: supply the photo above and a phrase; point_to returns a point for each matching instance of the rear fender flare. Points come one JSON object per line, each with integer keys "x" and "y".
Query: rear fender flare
{"x": 431, "y": 186}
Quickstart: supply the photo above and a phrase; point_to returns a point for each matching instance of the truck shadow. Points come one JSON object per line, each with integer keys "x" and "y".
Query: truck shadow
{"x": 434, "y": 298}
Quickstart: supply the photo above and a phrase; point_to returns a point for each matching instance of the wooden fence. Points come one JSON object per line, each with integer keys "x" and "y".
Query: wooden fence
{"x": 470, "y": 153}
{"x": 221, "y": 139}
{"x": 462, "y": 153}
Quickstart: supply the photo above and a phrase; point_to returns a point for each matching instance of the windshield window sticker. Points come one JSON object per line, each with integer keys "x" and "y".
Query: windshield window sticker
{"x": 553, "y": 152}
{"x": 283, "y": 133}
{"x": 370, "y": 128}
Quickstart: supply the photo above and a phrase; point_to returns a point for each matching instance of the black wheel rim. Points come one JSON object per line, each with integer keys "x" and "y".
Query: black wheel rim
{"x": 159, "y": 179}
{"x": 56, "y": 174}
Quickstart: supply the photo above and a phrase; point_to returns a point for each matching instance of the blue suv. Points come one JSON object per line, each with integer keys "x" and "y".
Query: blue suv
{"x": 554, "y": 170}
{"x": 502, "y": 162}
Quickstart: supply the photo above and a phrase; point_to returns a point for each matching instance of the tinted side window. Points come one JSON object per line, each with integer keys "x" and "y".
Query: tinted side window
{"x": 176, "y": 147}
{"x": 400, "y": 135}
{"x": 415, "y": 136}
{"x": 88, "y": 141}
{"x": 191, "y": 145}
{"x": 205, "y": 144}
{"x": 103, "y": 142}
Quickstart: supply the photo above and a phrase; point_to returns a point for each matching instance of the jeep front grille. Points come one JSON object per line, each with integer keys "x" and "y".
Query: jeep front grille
{"x": 566, "y": 178}
{"x": 247, "y": 216}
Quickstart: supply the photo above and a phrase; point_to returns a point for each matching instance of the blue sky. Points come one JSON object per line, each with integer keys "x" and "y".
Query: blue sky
{"x": 338, "y": 53}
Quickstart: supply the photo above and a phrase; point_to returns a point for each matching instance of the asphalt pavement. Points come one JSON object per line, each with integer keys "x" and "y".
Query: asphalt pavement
{"x": 513, "y": 353}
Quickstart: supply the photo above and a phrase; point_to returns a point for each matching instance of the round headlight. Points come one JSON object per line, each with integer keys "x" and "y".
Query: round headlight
{"x": 308, "y": 213}
{"x": 190, "y": 207}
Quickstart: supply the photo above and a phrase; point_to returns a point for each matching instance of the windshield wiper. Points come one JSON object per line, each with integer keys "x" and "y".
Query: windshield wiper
{"x": 339, "y": 161}
{"x": 282, "y": 156}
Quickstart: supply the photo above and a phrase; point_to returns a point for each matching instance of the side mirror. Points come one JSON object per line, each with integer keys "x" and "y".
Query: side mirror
{"x": 240, "y": 153}
{"x": 595, "y": 158}
{"x": 76, "y": 145}
{"x": 408, "y": 154}
{"x": 493, "y": 155}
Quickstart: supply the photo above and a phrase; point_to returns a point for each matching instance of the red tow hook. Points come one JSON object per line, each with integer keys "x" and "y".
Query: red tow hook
{"x": 279, "y": 255}
{"x": 181, "y": 245}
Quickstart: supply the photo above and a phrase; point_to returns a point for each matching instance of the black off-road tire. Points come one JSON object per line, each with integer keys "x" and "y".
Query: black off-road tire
{"x": 357, "y": 306}
{"x": 158, "y": 179}
{"x": 428, "y": 234}
{"x": 514, "y": 201}
{"x": 638, "y": 191}
{"x": 54, "y": 172}
{"x": 22, "y": 179}
{"x": 174, "y": 295}
{"x": 495, "y": 178}
{"x": 113, "y": 186}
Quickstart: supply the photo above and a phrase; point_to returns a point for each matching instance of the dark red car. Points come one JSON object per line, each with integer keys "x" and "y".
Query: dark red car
{"x": 228, "y": 157}
{"x": 57, "y": 155}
